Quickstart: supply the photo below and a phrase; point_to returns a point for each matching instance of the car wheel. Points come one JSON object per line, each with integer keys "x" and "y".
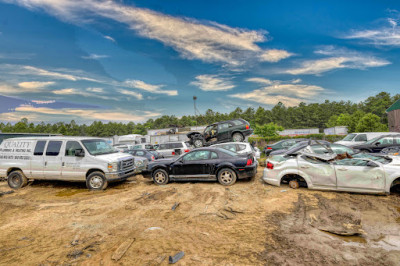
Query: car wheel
{"x": 160, "y": 177}
{"x": 227, "y": 177}
{"x": 294, "y": 184}
{"x": 198, "y": 143}
{"x": 237, "y": 137}
{"x": 96, "y": 181}
{"x": 17, "y": 179}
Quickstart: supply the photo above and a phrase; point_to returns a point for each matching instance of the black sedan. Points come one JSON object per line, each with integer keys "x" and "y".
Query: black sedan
{"x": 377, "y": 144}
{"x": 203, "y": 164}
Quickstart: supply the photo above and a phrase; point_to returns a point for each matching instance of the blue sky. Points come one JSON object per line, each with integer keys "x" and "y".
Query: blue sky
{"x": 134, "y": 60}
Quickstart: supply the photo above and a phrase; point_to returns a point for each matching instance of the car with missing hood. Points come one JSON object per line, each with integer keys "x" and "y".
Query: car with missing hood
{"x": 203, "y": 164}
{"x": 361, "y": 172}
{"x": 235, "y": 130}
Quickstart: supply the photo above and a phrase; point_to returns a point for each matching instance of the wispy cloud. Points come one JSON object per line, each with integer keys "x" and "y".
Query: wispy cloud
{"x": 138, "y": 84}
{"x": 109, "y": 38}
{"x": 135, "y": 94}
{"x": 89, "y": 92}
{"x": 213, "y": 83}
{"x": 202, "y": 40}
{"x": 260, "y": 80}
{"x": 337, "y": 59}
{"x": 35, "y": 85}
{"x": 289, "y": 94}
{"x": 95, "y": 56}
{"x": 385, "y": 35}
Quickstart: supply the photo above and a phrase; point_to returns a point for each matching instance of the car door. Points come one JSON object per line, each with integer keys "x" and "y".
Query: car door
{"x": 358, "y": 175}
{"x": 321, "y": 173}
{"x": 193, "y": 164}
{"x": 37, "y": 160}
{"x": 71, "y": 164}
{"x": 224, "y": 131}
{"x": 53, "y": 160}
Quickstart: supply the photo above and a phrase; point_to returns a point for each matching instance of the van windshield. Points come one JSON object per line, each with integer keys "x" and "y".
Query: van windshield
{"x": 349, "y": 137}
{"x": 98, "y": 146}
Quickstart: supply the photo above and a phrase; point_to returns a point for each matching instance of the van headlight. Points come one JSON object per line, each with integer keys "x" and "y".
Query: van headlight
{"x": 112, "y": 167}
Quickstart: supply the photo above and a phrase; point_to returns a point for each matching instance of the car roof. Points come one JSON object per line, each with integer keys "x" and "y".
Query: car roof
{"x": 54, "y": 138}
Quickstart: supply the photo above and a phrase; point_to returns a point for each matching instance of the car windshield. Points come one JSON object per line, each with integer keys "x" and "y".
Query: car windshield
{"x": 98, "y": 146}
{"x": 372, "y": 140}
{"x": 349, "y": 137}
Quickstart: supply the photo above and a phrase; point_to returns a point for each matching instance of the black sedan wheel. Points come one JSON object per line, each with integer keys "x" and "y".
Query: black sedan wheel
{"x": 17, "y": 179}
{"x": 160, "y": 177}
{"x": 226, "y": 177}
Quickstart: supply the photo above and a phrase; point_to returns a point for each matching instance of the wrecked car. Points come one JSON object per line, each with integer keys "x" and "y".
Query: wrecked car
{"x": 235, "y": 130}
{"x": 205, "y": 164}
{"x": 361, "y": 172}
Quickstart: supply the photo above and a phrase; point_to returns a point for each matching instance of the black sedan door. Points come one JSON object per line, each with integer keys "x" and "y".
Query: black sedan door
{"x": 193, "y": 164}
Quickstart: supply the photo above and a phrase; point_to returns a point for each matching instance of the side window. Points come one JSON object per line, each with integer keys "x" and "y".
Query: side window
{"x": 241, "y": 147}
{"x": 177, "y": 145}
{"x": 39, "y": 149}
{"x": 162, "y": 147}
{"x": 229, "y": 147}
{"x": 197, "y": 155}
{"x": 361, "y": 137}
{"x": 71, "y": 147}
{"x": 386, "y": 140}
{"x": 397, "y": 140}
{"x": 214, "y": 155}
{"x": 223, "y": 126}
{"x": 53, "y": 149}
{"x": 237, "y": 122}
{"x": 140, "y": 153}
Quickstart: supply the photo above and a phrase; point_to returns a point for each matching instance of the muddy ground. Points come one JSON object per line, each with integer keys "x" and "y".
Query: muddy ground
{"x": 249, "y": 223}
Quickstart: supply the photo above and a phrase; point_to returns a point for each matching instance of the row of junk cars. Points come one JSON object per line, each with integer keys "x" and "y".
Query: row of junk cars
{"x": 361, "y": 162}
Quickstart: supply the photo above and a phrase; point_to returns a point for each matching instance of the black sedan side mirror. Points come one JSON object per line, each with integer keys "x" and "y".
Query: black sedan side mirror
{"x": 79, "y": 153}
{"x": 377, "y": 143}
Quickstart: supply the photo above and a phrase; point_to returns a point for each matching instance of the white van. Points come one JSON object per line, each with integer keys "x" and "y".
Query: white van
{"x": 353, "y": 139}
{"x": 88, "y": 160}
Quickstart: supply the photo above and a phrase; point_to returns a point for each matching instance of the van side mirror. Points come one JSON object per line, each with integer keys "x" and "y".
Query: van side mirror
{"x": 79, "y": 153}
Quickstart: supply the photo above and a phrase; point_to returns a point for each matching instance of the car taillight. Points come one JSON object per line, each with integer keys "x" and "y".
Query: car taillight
{"x": 269, "y": 148}
{"x": 249, "y": 162}
{"x": 187, "y": 150}
{"x": 153, "y": 158}
{"x": 247, "y": 126}
{"x": 173, "y": 153}
{"x": 270, "y": 165}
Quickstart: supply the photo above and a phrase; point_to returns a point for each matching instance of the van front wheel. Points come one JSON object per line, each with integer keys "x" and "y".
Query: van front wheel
{"x": 96, "y": 181}
{"x": 17, "y": 179}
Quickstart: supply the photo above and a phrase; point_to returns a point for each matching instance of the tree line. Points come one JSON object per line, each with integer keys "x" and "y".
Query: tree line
{"x": 368, "y": 115}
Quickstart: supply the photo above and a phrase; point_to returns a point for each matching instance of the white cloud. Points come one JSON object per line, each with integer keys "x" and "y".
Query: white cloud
{"x": 38, "y": 113}
{"x": 260, "y": 80}
{"x": 95, "y": 56}
{"x": 338, "y": 59}
{"x": 288, "y": 93}
{"x": 138, "y": 84}
{"x": 206, "y": 41}
{"x": 35, "y": 85}
{"x": 97, "y": 90}
{"x": 386, "y": 35}
{"x": 135, "y": 94}
{"x": 213, "y": 83}
{"x": 274, "y": 55}
{"x": 89, "y": 92}
{"x": 109, "y": 38}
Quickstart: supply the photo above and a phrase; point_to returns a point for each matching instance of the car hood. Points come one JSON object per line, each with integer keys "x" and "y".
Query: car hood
{"x": 163, "y": 161}
{"x": 113, "y": 157}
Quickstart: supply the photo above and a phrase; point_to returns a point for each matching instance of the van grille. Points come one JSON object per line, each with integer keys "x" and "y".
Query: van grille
{"x": 127, "y": 164}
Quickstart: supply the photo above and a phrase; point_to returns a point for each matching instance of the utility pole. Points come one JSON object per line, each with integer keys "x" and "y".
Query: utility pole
{"x": 196, "y": 111}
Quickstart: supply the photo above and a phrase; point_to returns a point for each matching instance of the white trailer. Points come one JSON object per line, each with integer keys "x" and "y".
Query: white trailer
{"x": 339, "y": 130}
{"x": 299, "y": 132}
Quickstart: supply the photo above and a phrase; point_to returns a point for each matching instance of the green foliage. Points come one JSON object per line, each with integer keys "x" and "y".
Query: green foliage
{"x": 268, "y": 130}
{"x": 313, "y": 115}
{"x": 370, "y": 123}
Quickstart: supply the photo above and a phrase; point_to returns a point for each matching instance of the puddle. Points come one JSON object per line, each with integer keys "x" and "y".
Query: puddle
{"x": 70, "y": 192}
{"x": 348, "y": 239}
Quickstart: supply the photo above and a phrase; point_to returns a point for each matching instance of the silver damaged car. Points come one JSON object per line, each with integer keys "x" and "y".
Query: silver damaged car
{"x": 362, "y": 172}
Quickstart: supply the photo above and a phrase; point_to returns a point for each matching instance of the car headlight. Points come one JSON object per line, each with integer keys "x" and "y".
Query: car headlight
{"x": 139, "y": 163}
{"x": 112, "y": 167}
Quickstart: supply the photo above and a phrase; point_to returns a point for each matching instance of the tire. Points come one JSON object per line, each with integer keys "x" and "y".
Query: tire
{"x": 198, "y": 142}
{"x": 160, "y": 177}
{"x": 294, "y": 184}
{"x": 17, "y": 179}
{"x": 96, "y": 181}
{"x": 227, "y": 177}
{"x": 237, "y": 137}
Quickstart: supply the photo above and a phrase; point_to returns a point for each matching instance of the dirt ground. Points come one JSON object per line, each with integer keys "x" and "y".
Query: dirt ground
{"x": 249, "y": 223}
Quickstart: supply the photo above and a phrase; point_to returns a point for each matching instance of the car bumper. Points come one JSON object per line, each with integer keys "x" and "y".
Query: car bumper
{"x": 121, "y": 175}
{"x": 270, "y": 179}
{"x": 247, "y": 132}
{"x": 247, "y": 172}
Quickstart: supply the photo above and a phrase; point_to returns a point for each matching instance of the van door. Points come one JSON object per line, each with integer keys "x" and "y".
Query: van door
{"x": 37, "y": 160}
{"x": 72, "y": 165}
{"x": 52, "y": 160}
